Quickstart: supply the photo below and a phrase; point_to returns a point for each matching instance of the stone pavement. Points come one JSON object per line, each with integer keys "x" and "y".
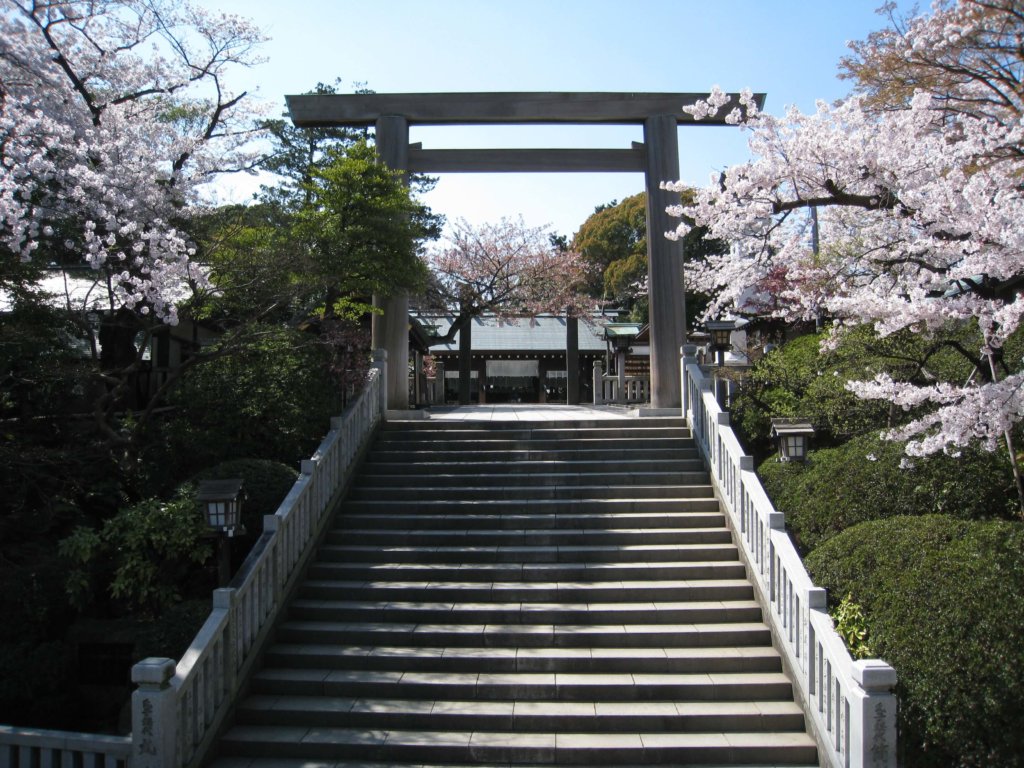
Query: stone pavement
{"x": 530, "y": 412}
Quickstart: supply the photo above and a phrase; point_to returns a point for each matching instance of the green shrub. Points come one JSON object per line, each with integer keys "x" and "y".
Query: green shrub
{"x": 145, "y": 556}
{"x": 852, "y": 626}
{"x": 863, "y": 480}
{"x": 800, "y": 380}
{"x": 170, "y": 634}
{"x": 944, "y": 604}
{"x": 273, "y": 399}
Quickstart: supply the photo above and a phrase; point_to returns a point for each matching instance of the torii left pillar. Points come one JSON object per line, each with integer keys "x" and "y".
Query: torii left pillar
{"x": 390, "y": 330}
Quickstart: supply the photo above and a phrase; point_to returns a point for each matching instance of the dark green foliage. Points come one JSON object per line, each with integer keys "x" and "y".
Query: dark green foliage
{"x": 798, "y": 379}
{"x": 863, "y": 480}
{"x": 613, "y": 242}
{"x": 273, "y": 399}
{"x": 612, "y": 237}
{"x": 802, "y": 379}
{"x": 944, "y": 600}
{"x": 35, "y": 665}
{"x": 170, "y": 634}
{"x": 144, "y": 557}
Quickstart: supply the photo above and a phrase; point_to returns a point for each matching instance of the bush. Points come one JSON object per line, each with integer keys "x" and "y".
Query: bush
{"x": 863, "y": 480}
{"x": 145, "y": 556}
{"x": 271, "y": 400}
{"x": 801, "y": 380}
{"x": 943, "y": 602}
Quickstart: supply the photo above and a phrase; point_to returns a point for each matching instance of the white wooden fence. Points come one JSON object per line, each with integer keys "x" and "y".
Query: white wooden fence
{"x": 850, "y": 704}
{"x": 178, "y": 708}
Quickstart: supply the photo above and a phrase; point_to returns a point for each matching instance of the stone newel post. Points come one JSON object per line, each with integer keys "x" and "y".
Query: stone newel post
{"x": 154, "y": 726}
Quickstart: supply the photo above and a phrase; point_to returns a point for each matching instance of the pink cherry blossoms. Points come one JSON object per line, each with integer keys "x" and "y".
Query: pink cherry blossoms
{"x": 112, "y": 114}
{"x": 506, "y": 268}
{"x": 921, "y": 227}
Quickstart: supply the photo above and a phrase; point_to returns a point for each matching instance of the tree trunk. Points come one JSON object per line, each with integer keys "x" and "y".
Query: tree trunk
{"x": 1009, "y": 447}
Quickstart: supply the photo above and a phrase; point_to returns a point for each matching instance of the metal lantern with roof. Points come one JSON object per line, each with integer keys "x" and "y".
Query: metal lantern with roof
{"x": 222, "y": 501}
{"x": 793, "y": 435}
{"x": 721, "y": 333}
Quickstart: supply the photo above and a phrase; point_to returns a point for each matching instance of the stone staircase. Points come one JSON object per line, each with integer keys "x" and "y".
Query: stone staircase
{"x": 504, "y": 593}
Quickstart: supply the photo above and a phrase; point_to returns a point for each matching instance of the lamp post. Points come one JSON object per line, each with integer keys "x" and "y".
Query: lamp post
{"x": 721, "y": 336}
{"x": 620, "y": 336}
{"x": 222, "y": 501}
{"x": 793, "y": 436}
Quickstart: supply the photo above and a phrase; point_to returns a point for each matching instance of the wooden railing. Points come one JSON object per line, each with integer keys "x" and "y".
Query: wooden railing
{"x": 179, "y": 708}
{"x": 850, "y": 704}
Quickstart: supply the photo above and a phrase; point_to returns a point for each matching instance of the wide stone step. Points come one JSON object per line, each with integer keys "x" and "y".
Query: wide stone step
{"x": 523, "y": 593}
{"x": 536, "y": 537}
{"x": 422, "y": 747}
{"x": 473, "y": 489}
{"x": 430, "y": 466}
{"x": 607, "y": 453}
{"x": 335, "y": 564}
{"x": 524, "y": 716}
{"x": 528, "y": 519}
{"x": 591, "y": 553}
{"x": 532, "y": 443}
{"x": 541, "y": 659}
{"x": 526, "y": 613}
{"x": 608, "y": 426}
{"x": 525, "y": 635}
{"x": 570, "y": 592}
{"x": 608, "y": 434}
{"x": 610, "y": 477}
{"x": 525, "y": 686}
{"x": 499, "y": 506}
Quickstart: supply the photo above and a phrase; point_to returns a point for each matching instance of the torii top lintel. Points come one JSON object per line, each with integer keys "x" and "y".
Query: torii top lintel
{"x": 316, "y": 110}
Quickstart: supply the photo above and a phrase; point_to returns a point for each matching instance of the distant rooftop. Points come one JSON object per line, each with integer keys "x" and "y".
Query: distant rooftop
{"x": 544, "y": 333}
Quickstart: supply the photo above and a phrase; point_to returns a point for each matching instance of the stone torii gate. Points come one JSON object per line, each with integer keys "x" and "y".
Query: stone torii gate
{"x": 657, "y": 157}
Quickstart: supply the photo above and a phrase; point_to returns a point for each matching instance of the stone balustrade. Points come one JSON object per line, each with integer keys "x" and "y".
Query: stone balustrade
{"x": 178, "y": 708}
{"x": 850, "y": 704}
{"x": 620, "y": 389}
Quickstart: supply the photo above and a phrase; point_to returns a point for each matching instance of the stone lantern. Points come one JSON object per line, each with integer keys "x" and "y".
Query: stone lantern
{"x": 793, "y": 436}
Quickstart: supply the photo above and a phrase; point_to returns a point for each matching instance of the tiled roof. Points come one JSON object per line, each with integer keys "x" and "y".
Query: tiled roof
{"x": 528, "y": 334}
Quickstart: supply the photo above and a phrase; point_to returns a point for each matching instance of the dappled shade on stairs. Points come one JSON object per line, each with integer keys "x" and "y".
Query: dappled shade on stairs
{"x": 498, "y": 593}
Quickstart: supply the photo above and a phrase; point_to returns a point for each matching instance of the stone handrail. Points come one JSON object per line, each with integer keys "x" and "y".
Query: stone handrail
{"x": 634, "y": 389}
{"x": 178, "y": 710}
{"x": 850, "y": 704}
{"x": 32, "y": 746}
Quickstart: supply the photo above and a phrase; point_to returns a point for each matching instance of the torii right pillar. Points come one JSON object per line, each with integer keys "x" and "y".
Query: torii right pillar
{"x": 667, "y": 313}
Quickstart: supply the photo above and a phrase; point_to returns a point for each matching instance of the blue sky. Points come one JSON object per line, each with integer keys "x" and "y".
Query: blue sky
{"x": 788, "y": 49}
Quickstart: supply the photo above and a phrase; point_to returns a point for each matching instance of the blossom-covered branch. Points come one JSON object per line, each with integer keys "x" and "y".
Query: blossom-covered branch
{"x": 112, "y": 113}
{"x": 919, "y": 210}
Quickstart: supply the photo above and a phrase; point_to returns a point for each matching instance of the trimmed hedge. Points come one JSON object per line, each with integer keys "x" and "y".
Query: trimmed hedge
{"x": 862, "y": 480}
{"x": 944, "y": 600}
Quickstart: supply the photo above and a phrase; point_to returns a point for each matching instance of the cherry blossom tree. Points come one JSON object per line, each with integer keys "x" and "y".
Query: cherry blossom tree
{"x": 919, "y": 216}
{"x": 113, "y": 114}
{"x": 507, "y": 269}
